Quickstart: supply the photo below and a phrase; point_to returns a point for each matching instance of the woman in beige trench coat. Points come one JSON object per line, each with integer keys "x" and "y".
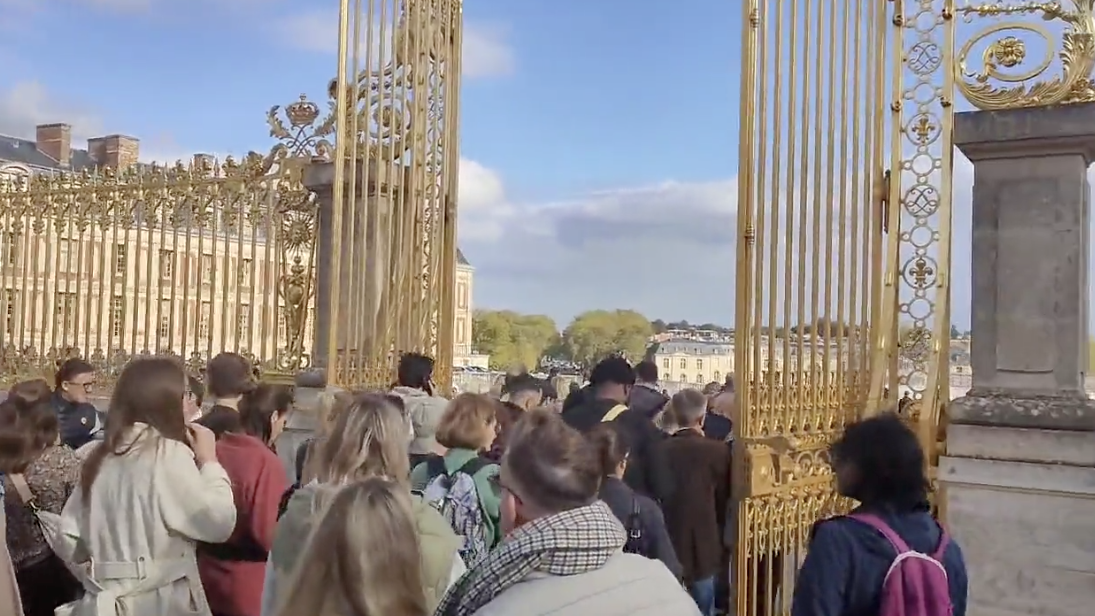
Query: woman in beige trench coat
{"x": 148, "y": 494}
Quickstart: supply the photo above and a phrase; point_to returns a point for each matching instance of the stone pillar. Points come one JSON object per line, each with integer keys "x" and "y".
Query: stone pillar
{"x": 305, "y": 419}
{"x": 365, "y": 254}
{"x": 1019, "y": 471}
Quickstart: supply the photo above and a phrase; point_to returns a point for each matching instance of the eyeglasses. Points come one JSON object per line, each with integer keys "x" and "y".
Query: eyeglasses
{"x": 88, "y": 387}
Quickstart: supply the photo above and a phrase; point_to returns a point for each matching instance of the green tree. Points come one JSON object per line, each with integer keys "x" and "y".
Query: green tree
{"x": 512, "y": 338}
{"x": 596, "y": 334}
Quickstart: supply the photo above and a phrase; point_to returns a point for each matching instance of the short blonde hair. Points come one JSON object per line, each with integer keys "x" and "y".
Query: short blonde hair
{"x": 466, "y": 421}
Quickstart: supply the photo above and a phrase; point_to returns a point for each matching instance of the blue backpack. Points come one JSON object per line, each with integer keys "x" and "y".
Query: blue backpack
{"x": 457, "y": 499}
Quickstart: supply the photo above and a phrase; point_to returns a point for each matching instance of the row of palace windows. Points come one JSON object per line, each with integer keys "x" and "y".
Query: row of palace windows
{"x": 683, "y": 364}
{"x": 66, "y": 313}
{"x": 700, "y": 380}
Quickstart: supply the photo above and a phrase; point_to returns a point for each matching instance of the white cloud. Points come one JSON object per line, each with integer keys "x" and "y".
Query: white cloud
{"x": 665, "y": 249}
{"x": 28, "y": 104}
{"x": 486, "y": 48}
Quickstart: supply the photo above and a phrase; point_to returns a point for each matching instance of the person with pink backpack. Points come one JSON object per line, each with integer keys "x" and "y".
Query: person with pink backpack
{"x": 889, "y": 556}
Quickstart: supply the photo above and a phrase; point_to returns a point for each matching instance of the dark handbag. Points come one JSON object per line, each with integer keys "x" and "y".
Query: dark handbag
{"x": 636, "y": 540}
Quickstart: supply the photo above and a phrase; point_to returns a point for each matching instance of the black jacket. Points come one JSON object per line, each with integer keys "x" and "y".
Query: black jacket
{"x": 717, "y": 427}
{"x": 80, "y": 423}
{"x": 577, "y": 397}
{"x": 647, "y": 472}
{"x": 647, "y": 400}
{"x": 622, "y": 500}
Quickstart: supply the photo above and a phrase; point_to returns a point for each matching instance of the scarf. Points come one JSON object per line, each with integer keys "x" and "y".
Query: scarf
{"x": 568, "y": 543}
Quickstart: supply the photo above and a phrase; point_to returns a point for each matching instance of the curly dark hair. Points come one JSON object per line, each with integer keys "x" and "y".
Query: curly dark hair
{"x": 888, "y": 461}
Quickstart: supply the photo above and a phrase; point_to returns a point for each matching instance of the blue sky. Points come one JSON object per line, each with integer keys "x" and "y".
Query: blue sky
{"x": 574, "y": 115}
{"x": 599, "y": 140}
{"x": 582, "y": 88}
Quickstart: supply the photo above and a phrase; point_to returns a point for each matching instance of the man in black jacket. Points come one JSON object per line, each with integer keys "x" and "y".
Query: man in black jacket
{"x": 645, "y": 397}
{"x": 610, "y": 384}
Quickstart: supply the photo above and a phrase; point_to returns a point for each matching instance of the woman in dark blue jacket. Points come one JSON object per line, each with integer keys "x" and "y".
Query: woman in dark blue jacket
{"x": 878, "y": 462}
{"x": 640, "y": 515}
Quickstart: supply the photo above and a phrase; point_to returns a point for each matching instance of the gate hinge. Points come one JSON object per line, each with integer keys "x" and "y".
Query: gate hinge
{"x": 882, "y": 197}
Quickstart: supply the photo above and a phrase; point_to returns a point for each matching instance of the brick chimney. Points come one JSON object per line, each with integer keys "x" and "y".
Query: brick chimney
{"x": 115, "y": 151}
{"x": 55, "y": 141}
{"x": 204, "y": 161}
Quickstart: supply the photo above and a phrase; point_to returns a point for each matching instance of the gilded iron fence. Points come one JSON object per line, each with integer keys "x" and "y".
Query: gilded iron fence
{"x": 811, "y": 239}
{"x": 188, "y": 260}
{"x": 859, "y": 94}
{"x": 394, "y": 192}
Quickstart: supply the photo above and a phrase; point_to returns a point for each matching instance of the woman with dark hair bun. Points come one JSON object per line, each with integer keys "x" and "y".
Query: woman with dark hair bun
{"x": 80, "y": 421}
{"x": 640, "y": 515}
{"x": 229, "y": 376}
{"x": 232, "y": 572}
{"x": 40, "y": 473}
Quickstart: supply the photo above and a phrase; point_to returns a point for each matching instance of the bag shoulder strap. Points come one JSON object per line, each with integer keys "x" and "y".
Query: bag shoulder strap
{"x": 435, "y": 467}
{"x": 944, "y": 540}
{"x": 613, "y": 413}
{"x": 23, "y": 490}
{"x": 878, "y": 524}
{"x": 473, "y": 466}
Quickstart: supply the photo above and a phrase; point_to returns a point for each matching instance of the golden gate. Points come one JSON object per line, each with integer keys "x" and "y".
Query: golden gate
{"x": 844, "y": 231}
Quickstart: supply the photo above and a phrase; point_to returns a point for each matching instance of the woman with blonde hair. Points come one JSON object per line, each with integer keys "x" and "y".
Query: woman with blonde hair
{"x": 368, "y": 439}
{"x": 363, "y": 558}
{"x": 146, "y": 496}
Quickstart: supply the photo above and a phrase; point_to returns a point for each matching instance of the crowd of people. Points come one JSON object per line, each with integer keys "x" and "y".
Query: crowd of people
{"x": 407, "y": 502}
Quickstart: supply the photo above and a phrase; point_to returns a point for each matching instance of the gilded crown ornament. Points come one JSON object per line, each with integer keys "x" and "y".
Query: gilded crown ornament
{"x": 302, "y": 112}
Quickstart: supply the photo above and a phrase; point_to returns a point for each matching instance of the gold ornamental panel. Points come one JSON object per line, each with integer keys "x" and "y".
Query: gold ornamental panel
{"x": 396, "y": 156}
{"x": 1026, "y": 54}
{"x": 187, "y": 260}
{"x": 812, "y": 234}
{"x": 913, "y": 344}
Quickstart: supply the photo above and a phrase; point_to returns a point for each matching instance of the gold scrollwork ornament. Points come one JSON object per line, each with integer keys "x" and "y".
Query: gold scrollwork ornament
{"x": 1027, "y": 88}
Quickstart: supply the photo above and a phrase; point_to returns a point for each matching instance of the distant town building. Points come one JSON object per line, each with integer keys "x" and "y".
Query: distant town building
{"x": 694, "y": 361}
{"x": 463, "y": 356}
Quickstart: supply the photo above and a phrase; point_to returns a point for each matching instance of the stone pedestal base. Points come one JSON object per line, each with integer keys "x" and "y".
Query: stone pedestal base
{"x": 1012, "y": 408}
{"x": 1021, "y": 502}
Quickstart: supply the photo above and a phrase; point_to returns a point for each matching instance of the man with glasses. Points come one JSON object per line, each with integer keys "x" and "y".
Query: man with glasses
{"x": 81, "y": 423}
